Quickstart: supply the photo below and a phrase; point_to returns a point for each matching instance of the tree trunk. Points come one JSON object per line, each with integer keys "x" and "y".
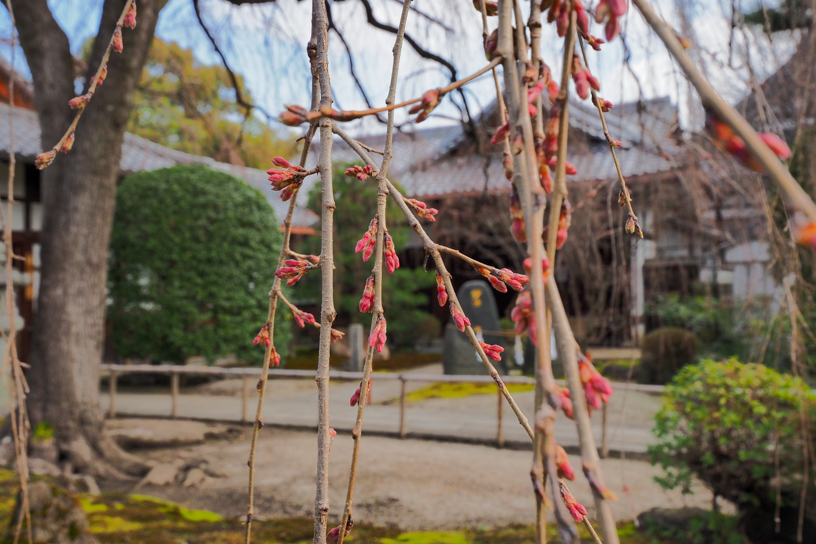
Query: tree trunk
{"x": 79, "y": 191}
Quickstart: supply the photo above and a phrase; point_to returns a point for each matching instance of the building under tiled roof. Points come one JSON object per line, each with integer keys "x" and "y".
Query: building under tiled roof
{"x": 139, "y": 154}
{"x": 427, "y": 165}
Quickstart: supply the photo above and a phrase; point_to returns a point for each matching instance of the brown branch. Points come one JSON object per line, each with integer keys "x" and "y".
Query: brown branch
{"x": 382, "y": 201}
{"x": 327, "y": 311}
{"x": 777, "y": 171}
{"x": 46, "y": 158}
{"x": 597, "y": 101}
{"x": 18, "y": 387}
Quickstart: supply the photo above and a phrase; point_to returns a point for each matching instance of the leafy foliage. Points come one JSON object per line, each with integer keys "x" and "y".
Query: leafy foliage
{"x": 787, "y": 15}
{"x": 193, "y": 253}
{"x": 403, "y": 295}
{"x": 191, "y": 107}
{"x": 724, "y": 423}
{"x": 664, "y": 353}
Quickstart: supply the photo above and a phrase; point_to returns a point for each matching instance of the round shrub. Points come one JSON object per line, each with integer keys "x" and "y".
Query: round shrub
{"x": 725, "y": 423}
{"x": 193, "y": 255}
{"x": 664, "y": 352}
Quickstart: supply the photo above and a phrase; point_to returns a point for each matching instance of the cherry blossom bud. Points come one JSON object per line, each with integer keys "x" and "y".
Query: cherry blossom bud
{"x": 606, "y": 105}
{"x": 377, "y": 337}
{"x": 68, "y": 143}
{"x": 522, "y": 315}
{"x": 79, "y": 102}
{"x": 562, "y": 462}
{"x": 280, "y": 162}
{"x": 576, "y": 509}
{"x": 501, "y": 133}
{"x": 492, "y": 351}
{"x": 335, "y": 335}
{"x": 441, "y": 291}
{"x": 390, "y": 254}
{"x": 130, "y": 16}
{"x": 366, "y": 243}
{"x": 491, "y": 44}
{"x": 332, "y": 434}
{"x": 630, "y": 225}
{"x": 609, "y": 11}
{"x": 44, "y": 159}
{"x": 491, "y": 8}
{"x": 459, "y": 318}
{"x": 516, "y": 281}
{"x": 117, "y": 40}
{"x": 102, "y": 75}
{"x": 622, "y": 197}
{"x": 334, "y": 534}
{"x": 594, "y": 43}
{"x": 360, "y": 172}
{"x": 294, "y": 116}
{"x": 776, "y": 145}
{"x": 368, "y": 296}
{"x": 430, "y": 100}
{"x": 565, "y": 402}
{"x": 355, "y": 397}
{"x": 275, "y": 358}
{"x": 581, "y": 18}
{"x": 262, "y": 338}
{"x": 303, "y": 318}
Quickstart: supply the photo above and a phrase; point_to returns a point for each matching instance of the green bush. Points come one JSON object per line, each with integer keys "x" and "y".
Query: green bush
{"x": 664, "y": 352}
{"x": 193, "y": 255}
{"x": 725, "y": 424}
{"x": 405, "y": 292}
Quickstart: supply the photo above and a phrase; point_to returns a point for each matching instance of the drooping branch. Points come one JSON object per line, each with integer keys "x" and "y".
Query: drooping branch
{"x": 777, "y": 171}
{"x": 377, "y": 319}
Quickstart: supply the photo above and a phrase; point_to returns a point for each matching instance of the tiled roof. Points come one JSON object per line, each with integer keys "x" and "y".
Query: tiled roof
{"x": 425, "y": 164}
{"x": 139, "y": 155}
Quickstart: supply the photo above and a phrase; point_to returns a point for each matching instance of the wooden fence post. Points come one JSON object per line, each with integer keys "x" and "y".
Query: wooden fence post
{"x": 500, "y": 423}
{"x": 174, "y": 386}
{"x": 604, "y": 433}
{"x": 245, "y": 399}
{"x": 112, "y": 395}
{"x": 402, "y": 406}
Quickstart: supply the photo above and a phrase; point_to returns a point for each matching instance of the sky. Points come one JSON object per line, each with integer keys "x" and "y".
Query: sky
{"x": 266, "y": 45}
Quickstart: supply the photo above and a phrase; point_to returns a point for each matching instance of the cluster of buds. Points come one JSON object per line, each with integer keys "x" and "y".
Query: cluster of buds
{"x": 103, "y": 74}
{"x": 583, "y": 78}
{"x": 429, "y": 102}
{"x": 608, "y": 12}
{"x": 44, "y": 159}
{"x": 390, "y": 253}
{"x": 68, "y": 143}
{"x": 565, "y": 402}
{"x": 459, "y": 318}
{"x": 501, "y": 278}
{"x": 593, "y": 42}
{"x": 560, "y": 12}
{"x": 633, "y": 226}
{"x": 296, "y": 115}
{"x": 564, "y": 221}
{"x": 569, "y": 168}
{"x": 274, "y": 357}
{"x": 597, "y": 485}
{"x": 491, "y": 8}
{"x": 563, "y": 464}
{"x": 804, "y": 231}
{"x": 130, "y": 16}
{"x": 355, "y": 397}
{"x": 543, "y": 163}
{"x": 79, "y": 102}
{"x": 288, "y": 179}
{"x": 576, "y": 509}
{"x": 523, "y": 316}
{"x": 441, "y": 290}
{"x": 360, "y": 172}
{"x": 335, "y": 335}
{"x": 377, "y": 337}
{"x": 367, "y": 302}
{"x": 116, "y": 41}
{"x": 518, "y": 227}
{"x": 597, "y": 389}
{"x": 729, "y": 142}
{"x": 296, "y": 268}
{"x": 301, "y": 318}
{"x": 334, "y": 534}
{"x": 491, "y": 350}
{"x": 366, "y": 243}
{"x": 262, "y": 338}
{"x": 422, "y": 209}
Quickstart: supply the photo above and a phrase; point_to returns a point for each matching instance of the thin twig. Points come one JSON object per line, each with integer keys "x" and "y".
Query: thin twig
{"x": 382, "y": 201}
{"x": 89, "y": 94}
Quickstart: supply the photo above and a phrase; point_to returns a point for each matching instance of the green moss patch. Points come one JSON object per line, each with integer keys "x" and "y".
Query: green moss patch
{"x": 444, "y": 390}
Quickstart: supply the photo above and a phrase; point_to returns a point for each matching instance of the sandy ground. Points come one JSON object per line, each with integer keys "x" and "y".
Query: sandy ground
{"x": 413, "y": 484}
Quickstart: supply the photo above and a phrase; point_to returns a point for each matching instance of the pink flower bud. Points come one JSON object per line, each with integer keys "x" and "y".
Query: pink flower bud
{"x": 262, "y": 338}
{"x": 576, "y": 509}
{"x": 79, "y": 102}
{"x": 562, "y": 462}
{"x": 275, "y": 358}
{"x": 102, "y": 75}
{"x": 280, "y": 162}
{"x": 368, "y": 296}
{"x": 335, "y": 335}
{"x": 492, "y": 351}
{"x": 68, "y": 143}
{"x": 565, "y": 402}
{"x": 377, "y": 337}
{"x": 779, "y": 147}
{"x": 130, "y": 16}
{"x": 501, "y": 133}
{"x": 44, "y": 159}
{"x": 497, "y": 284}
{"x": 390, "y": 253}
{"x": 459, "y": 318}
{"x": 441, "y": 291}
{"x": 117, "y": 40}
{"x": 362, "y": 243}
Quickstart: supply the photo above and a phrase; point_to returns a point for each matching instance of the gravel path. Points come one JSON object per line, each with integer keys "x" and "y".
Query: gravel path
{"x": 413, "y": 484}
